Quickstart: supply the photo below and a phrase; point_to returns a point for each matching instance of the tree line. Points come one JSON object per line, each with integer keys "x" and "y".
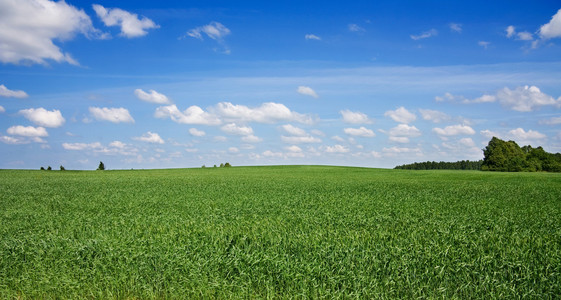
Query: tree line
{"x": 499, "y": 155}
{"x": 442, "y": 165}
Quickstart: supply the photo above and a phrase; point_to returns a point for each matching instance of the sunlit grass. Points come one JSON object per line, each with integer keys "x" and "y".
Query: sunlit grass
{"x": 279, "y": 231}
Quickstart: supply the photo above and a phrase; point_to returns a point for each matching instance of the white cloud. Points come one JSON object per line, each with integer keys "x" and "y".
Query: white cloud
{"x": 27, "y": 131}
{"x": 401, "y": 115}
{"x": 525, "y": 36}
{"x": 220, "y": 138}
{"x": 214, "y": 30}
{"x": 467, "y": 142}
{"x": 233, "y": 150}
{"x": 355, "y": 117}
{"x": 482, "y": 99}
{"x": 234, "y": 129}
{"x": 404, "y": 130}
{"x": 553, "y": 28}
{"x": 196, "y": 132}
{"x": 13, "y": 140}
{"x": 81, "y": 146}
{"x": 520, "y": 134}
{"x": 337, "y": 149}
{"x": 192, "y": 115}
{"x": 300, "y": 139}
{"x": 484, "y": 44}
{"x": 43, "y": 117}
{"x": 552, "y": 121}
{"x": 454, "y": 130}
{"x": 456, "y": 27}
{"x": 150, "y": 137}
{"x": 510, "y": 31}
{"x": 2, "y": 109}
{"x": 308, "y": 91}
{"x": 399, "y": 139}
{"x": 251, "y": 139}
{"x": 293, "y": 130}
{"x": 317, "y": 132}
{"x": 312, "y": 37}
{"x": 338, "y": 138}
{"x": 268, "y": 112}
{"x": 488, "y": 133}
{"x": 400, "y": 150}
{"x": 152, "y": 97}
{"x": 117, "y": 144}
{"x": 355, "y": 28}
{"x": 270, "y": 153}
{"x": 28, "y": 29}
{"x": 294, "y": 149}
{"x": 425, "y": 34}
{"x": 114, "y": 115}
{"x": 434, "y": 115}
{"x": 525, "y": 98}
{"x": 5, "y": 92}
{"x": 131, "y": 25}
{"x": 362, "y": 131}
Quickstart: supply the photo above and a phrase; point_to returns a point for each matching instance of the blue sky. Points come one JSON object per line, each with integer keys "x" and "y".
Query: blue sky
{"x": 144, "y": 84}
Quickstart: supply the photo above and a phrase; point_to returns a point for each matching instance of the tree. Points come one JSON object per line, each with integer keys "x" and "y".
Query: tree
{"x": 222, "y": 165}
{"x": 42, "y": 169}
{"x": 101, "y": 166}
{"x": 227, "y": 165}
{"x": 503, "y": 156}
{"x": 62, "y": 168}
{"x": 49, "y": 168}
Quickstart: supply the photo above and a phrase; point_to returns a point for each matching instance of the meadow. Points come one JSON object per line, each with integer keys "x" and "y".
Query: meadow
{"x": 279, "y": 232}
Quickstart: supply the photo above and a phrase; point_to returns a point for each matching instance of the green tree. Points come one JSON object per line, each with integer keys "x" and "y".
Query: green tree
{"x": 503, "y": 156}
{"x": 101, "y": 166}
{"x": 227, "y": 165}
{"x": 49, "y": 168}
{"x": 42, "y": 169}
{"x": 62, "y": 168}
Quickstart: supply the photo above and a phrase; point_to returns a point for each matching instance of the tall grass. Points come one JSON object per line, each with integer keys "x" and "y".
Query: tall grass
{"x": 276, "y": 232}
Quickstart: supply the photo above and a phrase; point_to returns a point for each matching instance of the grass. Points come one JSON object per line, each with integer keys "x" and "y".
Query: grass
{"x": 278, "y": 232}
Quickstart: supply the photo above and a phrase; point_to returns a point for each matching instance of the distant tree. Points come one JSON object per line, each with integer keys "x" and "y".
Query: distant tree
{"x": 227, "y": 165}
{"x": 503, "y": 156}
{"x": 62, "y": 168}
{"x": 49, "y": 168}
{"x": 42, "y": 169}
{"x": 101, "y": 166}
{"x": 203, "y": 166}
{"x": 215, "y": 166}
{"x": 222, "y": 165}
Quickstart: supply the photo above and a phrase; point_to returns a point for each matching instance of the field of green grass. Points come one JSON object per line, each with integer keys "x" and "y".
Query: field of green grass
{"x": 278, "y": 232}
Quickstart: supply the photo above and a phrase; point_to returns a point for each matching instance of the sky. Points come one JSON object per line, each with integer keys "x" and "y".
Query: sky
{"x": 177, "y": 84}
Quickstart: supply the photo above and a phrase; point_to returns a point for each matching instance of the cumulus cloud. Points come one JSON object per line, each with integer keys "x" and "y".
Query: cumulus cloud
{"x": 235, "y": 129}
{"x": 425, "y": 34}
{"x": 114, "y": 115}
{"x": 520, "y": 134}
{"x": 28, "y": 131}
{"x": 523, "y": 35}
{"x": 355, "y": 117}
{"x": 271, "y": 154}
{"x": 300, "y": 139}
{"x": 402, "y": 132}
{"x": 149, "y": 137}
{"x": 196, "y": 132}
{"x": 308, "y": 91}
{"x": 312, "y": 37}
{"x": 251, "y": 139}
{"x": 362, "y": 131}
{"x": 337, "y": 149}
{"x": 2, "y": 109}
{"x": 553, "y": 28}
{"x": 28, "y": 30}
{"x": 43, "y": 117}
{"x": 293, "y": 130}
{"x": 434, "y": 115}
{"x": 293, "y": 148}
{"x": 233, "y": 150}
{"x": 454, "y": 130}
{"x": 510, "y": 31}
{"x": 131, "y": 25}
{"x": 5, "y": 92}
{"x": 522, "y": 98}
{"x": 268, "y": 112}
{"x": 152, "y": 96}
{"x": 525, "y": 99}
{"x": 400, "y": 150}
{"x": 456, "y": 27}
{"x": 401, "y": 115}
{"x": 192, "y": 115}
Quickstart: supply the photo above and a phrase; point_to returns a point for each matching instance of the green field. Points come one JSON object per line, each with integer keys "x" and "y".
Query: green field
{"x": 278, "y": 232}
